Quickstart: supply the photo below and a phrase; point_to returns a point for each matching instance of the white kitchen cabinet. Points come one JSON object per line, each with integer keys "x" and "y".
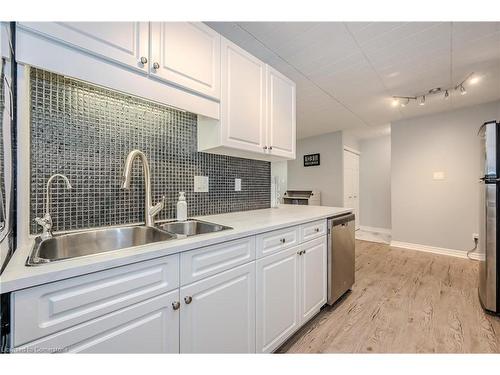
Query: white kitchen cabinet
{"x": 151, "y": 326}
{"x": 49, "y": 308}
{"x": 281, "y": 128}
{"x": 121, "y": 42}
{"x": 218, "y": 313}
{"x": 277, "y": 298}
{"x": 243, "y": 99}
{"x": 257, "y": 118}
{"x": 187, "y": 54}
{"x": 313, "y": 265}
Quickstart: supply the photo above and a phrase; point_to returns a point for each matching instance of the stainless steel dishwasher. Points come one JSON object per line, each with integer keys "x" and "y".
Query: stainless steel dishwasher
{"x": 340, "y": 256}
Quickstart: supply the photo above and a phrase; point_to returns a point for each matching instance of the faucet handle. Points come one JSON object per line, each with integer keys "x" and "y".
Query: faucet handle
{"x": 46, "y": 223}
{"x": 157, "y": 207}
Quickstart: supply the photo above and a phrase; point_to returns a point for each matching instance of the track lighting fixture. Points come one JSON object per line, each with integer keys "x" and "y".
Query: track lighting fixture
{"x": 403, "y": 101}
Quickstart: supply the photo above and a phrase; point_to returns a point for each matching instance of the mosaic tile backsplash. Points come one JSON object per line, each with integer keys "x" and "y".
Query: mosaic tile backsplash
{"x": 86, "y": 132}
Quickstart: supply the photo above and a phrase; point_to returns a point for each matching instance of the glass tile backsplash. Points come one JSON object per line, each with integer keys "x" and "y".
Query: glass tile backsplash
{"x": 86, "y": 132}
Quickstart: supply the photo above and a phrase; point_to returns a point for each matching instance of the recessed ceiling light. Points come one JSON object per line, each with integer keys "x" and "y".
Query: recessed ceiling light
{"x": 392, "y": 75}
{"x": 474, "y": 80}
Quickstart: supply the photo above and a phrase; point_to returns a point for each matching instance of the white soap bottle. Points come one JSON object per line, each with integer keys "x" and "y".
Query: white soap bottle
{"x": 182, "y": 207}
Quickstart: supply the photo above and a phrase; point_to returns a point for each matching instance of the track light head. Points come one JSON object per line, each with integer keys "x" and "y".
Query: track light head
{"x": 463, "y": 91}
{"x": 395, "y": 102}
{"x": 422, "y": 100}
{"x": 446, "y": 95}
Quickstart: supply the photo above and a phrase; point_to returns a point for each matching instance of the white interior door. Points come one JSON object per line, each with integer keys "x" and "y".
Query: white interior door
{"x": 351, "y": 182}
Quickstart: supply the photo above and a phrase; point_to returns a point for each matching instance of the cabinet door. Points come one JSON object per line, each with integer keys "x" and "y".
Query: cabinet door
{"x": 151, "y": 326}
{"x": 218, "y": 313}
{"x": 121, "y": 42}
{"x": 280, "y": 114}
{"x": 188, "y": 55}
{"x": 312, "y": 278}
{"x": 243, "y": 99}
{"x": 277, "y": 299}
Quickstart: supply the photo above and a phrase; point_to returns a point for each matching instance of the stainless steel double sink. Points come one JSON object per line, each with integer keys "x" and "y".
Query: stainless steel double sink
{"x": 79, "y": 244}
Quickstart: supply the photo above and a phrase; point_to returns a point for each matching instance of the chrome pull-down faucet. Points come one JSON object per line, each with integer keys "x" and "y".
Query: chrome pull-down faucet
{"x": 46, "y": 221}
{"x": 149, "y": 210}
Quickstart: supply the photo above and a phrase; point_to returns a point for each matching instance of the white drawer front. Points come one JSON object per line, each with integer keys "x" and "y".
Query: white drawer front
{"x": 45, "y": 309}
{"x": 310, "y": 231}
{"x": 272, "y": 242}
{"x": 151, "y": 326}
{"x": 208, "y": 261}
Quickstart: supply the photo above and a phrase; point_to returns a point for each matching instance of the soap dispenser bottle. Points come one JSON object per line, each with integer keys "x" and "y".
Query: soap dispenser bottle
{"x": 182, "y": 207}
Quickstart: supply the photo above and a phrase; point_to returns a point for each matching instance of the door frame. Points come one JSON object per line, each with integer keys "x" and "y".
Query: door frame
{"x": 358, "y": 153}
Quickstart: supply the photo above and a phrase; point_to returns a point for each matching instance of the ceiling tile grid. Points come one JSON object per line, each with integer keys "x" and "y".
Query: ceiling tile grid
{"x": 346, "y": 73}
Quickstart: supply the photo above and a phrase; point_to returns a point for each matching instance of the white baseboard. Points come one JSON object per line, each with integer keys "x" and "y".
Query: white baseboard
{"x": 434, "y": 250}
{"x": 375, "y": 229}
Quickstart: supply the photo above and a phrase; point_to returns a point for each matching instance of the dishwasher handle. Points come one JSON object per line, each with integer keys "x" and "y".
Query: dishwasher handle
{"x": 340, "y": 220}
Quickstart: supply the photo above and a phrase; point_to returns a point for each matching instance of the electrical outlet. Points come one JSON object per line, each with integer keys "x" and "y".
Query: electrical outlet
{"x": 237, "y": 184}
{"x": 200, "y": 184}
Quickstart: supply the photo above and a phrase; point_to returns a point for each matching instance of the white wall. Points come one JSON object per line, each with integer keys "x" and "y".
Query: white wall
{"x": 375, "y": 182}
{"x": 279, "y": 170}
{"x": 440, "y": 213}
{"x": 328, "y": 176}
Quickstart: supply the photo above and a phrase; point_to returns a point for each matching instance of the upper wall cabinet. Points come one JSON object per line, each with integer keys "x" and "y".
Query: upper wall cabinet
{"x": 281, "y": 126}
{"x": 257, "y": 118}
{"x": 126, "y": 43}
{"x": 187, "y": 54}
{"x": 243, "y": 108}
{"x": 177, "y": 64}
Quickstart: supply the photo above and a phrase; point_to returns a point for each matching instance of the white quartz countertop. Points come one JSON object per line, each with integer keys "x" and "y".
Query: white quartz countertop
{"x": 245, "y": 223}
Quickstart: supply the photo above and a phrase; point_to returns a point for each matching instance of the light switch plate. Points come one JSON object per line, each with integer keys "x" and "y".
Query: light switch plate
{"x": 200, "y": 184}
{"x": 237, "y": 184}
{"x": 438, "y": 175}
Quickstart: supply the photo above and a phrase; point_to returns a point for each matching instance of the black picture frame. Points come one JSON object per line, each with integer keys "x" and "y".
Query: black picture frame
{"x": 311, "y": 160}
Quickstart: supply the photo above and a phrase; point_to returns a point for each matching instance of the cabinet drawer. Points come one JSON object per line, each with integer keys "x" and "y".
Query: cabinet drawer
{"x": 312, "y": 230}
{"x": 272, "y": 242}
{"x": 208, "y": 261}
{"x": 151, "y": 326}
{"x": 49, "y": 308}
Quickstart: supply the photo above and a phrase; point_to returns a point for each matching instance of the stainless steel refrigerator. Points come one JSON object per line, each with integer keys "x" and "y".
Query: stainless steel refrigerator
{"x": 489, "y": 261}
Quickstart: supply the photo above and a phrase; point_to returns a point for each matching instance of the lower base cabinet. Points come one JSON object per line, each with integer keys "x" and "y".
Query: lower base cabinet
{"x": 277, "y": 298}
{"x": 291, "y": 289}
{"x": 151, "y": 326}
{"x": 218, "y": 313}
{"x": 313, "y": 278}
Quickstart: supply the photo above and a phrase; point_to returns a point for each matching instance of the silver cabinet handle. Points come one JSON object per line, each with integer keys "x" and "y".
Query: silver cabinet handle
{"x": 270, "y": 147}
{"x": 176, "y": 305}
{"x": 299, "y": 252}
{"x": 144, "y": 60}
{"x": 283, "y": 240}
{"x": 188, "y": 299}
{"x": 303, "y": 252}
{"x": 265, "y": 147}
{"x": 316, "y": 230}
{"x": 156, "y": 65}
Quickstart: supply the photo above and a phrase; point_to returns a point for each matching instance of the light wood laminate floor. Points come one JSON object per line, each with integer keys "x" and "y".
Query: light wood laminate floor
{"x": 403, "y": 301}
